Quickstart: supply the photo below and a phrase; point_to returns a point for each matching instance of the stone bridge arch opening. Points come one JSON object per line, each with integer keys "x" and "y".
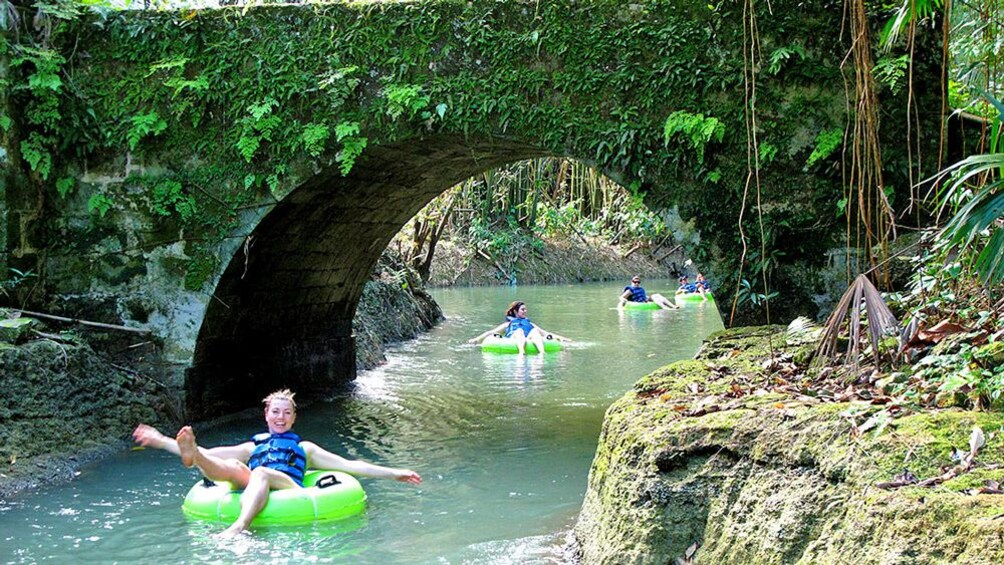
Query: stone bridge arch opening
{"x": 282, "y": 311}
{"x": 281, "y": 314}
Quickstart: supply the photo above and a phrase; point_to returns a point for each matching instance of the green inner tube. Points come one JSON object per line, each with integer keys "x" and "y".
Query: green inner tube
{"x": 327, "y": 495}
{"x": 498, "y": 344}
{"x": 694, "y": 297}
{"x": 641, "y": 306}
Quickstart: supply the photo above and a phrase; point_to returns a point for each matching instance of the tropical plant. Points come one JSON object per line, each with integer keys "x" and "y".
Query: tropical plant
{"x": 976, "y": 193}
{"x": 15, "y": 287}
{"x": 860, "y": 298}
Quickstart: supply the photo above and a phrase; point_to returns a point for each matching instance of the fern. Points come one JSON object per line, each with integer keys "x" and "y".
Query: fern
{"x": 199, "y": 84}
{"x": 259, "y": 110}
{"x": 781, "y": 55}
{"x": 314, "y": 137}
{"x": 257, "y": 126}
{"x": 891, "y": 71}
{"x": 698, "y": 130}
{"x": 767, "y": 153}
{"x": 352, "y": 148}
{"x": 405, "y": 99}
{"x": 826, "y": 143}
{"x": 143, "y": 125}
{"x": 99, "y": 203}
{"x": 169, "y": 197}
{"x": 34, "y": 151}
{"x": 65, "y": 186}
{"x": 248, "y": 145}
{"x": 168, "y": 64}
{"x": 347, "y": 133}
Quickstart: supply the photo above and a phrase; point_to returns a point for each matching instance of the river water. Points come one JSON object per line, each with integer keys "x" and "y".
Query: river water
{"x": 504, "y": 445}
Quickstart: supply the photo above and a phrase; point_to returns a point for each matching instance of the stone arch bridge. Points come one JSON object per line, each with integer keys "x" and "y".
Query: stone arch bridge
{"x": 228, "y": 178}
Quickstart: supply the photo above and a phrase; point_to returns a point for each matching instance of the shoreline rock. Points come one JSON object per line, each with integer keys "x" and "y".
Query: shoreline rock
{"x": 688, "y": 468}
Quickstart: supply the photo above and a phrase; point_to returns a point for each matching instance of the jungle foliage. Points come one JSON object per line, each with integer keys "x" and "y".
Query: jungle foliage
{"x": 504, "y": 212}
{"x": 948, "y": 349}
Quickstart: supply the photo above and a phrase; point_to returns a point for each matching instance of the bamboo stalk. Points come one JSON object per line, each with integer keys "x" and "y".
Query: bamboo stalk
{"x": 83, "y": 322}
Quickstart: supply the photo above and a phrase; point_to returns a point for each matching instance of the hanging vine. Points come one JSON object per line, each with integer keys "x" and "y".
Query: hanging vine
{"x": 871, "y": 222}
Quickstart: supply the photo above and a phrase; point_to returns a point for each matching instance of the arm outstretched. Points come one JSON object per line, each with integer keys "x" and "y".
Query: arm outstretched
{"x": 320, "y": 458}
{"x": 552, "y": 334}
{"x": 494, "y": 330}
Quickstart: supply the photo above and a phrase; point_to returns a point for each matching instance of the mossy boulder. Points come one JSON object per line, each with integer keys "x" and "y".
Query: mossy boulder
{"x": 17, "y": 330}
{"x": 63, "y": 403}
{"x": 769, "y": 478}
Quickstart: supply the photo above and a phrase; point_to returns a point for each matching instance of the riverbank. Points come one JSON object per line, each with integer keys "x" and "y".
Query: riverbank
{"x": 724, "y": 459}
{"x": 557, "y": 260}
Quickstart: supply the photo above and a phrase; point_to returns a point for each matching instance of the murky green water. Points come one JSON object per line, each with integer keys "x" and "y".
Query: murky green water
{"x": 504, "y": 445}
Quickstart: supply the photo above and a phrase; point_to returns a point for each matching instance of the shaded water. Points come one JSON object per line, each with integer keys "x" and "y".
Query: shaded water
{"x": 504, "y": 444}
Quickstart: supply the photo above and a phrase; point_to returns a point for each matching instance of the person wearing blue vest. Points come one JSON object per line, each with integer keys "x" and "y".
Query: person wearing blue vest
{"x": 701, "y": 286}
{"x": 272, "y": 460}
{"x": 521, "y": 329}
{"x": 635, "y": 293}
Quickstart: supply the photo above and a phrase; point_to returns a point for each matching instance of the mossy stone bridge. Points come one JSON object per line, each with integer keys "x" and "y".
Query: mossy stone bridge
{"x": 228, "y": 178}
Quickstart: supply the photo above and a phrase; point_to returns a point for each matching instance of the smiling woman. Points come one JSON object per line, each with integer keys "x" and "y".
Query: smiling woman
{"x": 273, "y": 461}
{"x": 519, "y": 333}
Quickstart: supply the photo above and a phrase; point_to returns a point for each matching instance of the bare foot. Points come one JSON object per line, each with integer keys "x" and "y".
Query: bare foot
{"x": 187, "y": 446}
{"x": 233, "y": 530}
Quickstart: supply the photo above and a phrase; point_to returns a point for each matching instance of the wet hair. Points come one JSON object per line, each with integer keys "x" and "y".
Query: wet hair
{"x": 284, "y": 394}
{"x": 511, "y": 310}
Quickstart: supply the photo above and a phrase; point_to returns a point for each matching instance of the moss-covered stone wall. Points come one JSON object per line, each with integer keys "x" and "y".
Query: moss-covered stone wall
{"x": 230, "y": 176}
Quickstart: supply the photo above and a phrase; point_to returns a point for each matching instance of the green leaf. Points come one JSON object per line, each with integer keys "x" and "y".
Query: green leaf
{"x": 99, "y": 203}
{"x": 352, "y": 147}
{"x": 65, "y": 186}
{"x": 314, "y": 137}
{"x": 143, "y": 125}
{"x": 247, "y": 145}
{"x": 827, "y": 141}
{"x": 990, "y": 262}
{"x": 167, "y": 64}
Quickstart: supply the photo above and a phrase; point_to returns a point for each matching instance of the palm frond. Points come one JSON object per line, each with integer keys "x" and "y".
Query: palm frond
{"x": 861, "y": 295}
{"x": 909, "y": 11}
{"x": 981, "y": 212}
{"x": 802, "y": 330}
{"x": 990, "y": 262}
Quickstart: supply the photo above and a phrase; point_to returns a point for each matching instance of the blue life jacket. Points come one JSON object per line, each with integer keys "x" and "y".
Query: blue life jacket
{"x": 518, "y": 324}
{"x": 637, "y": 294}
{"x": 281, "y": 452}
{"x": 690, "y": 287}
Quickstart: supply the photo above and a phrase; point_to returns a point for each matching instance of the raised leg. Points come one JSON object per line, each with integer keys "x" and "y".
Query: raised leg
{"x": 664, "y": 302}
{"x": 214, "y": 468}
